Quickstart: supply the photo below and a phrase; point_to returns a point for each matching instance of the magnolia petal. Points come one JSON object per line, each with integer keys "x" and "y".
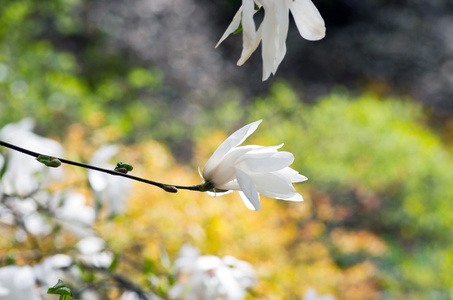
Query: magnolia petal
{"x": 265, "y": 161}
{"x": 268, "y": 148}
{"x": 293, "y": 175}
{"x": 296, "y": 197}
{"x": 224, "y": 171}
{"x": 272, "y": 183}
{"x": 282, "y": 15}
{"x": 248, "y": 187}
{"x": 232, "y": 141}
{"x": 246, "y": 201}
{"x": 232, "y": 185}
{"x": 308, "y": 19}
{"x": 269, "y": 39}
{"x": 248, "y": 24}
{"x": 215, "y": 193}
{"x": 234, "y": 25}
{"x": 252, "y": 45}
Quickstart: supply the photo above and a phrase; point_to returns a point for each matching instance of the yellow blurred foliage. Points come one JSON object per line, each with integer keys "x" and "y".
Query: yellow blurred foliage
{"x": 286, "y": 242}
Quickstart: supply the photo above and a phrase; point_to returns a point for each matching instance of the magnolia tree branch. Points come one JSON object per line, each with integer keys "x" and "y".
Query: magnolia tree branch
{"x": 203, "y": 187}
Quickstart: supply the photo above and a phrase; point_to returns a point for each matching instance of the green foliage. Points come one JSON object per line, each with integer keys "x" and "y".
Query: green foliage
{"x": 378, "y": 158}
{"x": 61, "y": 289}
{"x": 43, "y": 76}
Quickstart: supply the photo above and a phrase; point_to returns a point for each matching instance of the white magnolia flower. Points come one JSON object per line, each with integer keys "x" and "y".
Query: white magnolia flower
{"x": 252, "y": 170}
{"x": 274, "y": 29}
{"x": 18, "y": 283}
{"x": 311, "y": 294}
{"x": 210, "y": 277}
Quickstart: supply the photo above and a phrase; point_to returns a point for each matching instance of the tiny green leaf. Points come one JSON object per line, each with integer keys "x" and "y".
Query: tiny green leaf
{"x": 122, "y": 165}
{"x": 114, "y": 263}
{"x": 239, "y": 28}
{"x": 49, "y": 161}
{"x": 60, "y": 289}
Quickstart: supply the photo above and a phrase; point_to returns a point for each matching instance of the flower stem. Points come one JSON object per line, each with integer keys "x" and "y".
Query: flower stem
{"x": 166, "y": 187}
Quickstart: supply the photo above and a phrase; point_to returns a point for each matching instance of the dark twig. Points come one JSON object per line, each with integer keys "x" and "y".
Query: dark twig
{"x": 166, "y": 187}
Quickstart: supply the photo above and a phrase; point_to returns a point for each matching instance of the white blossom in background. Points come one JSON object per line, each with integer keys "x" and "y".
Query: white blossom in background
{"x": 252, "y": 170}
{"x": 210, "y": 277}
{"x": 111, "y": 190}
{"x": 75, "y": 215}
{"x": 24, "y": 174}
{"x": 134, "y": 296}
{"x": 92, "y": 252}
{"x": 274, "y": 29}
{"x": 2, "y": 161}
{"x": 55, "y": 267}
{"x": 27, "y": 211}
{"x": 311, "y": 294}
{"x": 18, "y": 283}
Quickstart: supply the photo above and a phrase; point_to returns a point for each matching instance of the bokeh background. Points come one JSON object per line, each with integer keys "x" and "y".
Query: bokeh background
{"x": 367, "y": 112}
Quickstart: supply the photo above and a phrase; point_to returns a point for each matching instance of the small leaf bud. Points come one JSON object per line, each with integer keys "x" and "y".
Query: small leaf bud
{"x": 126, "y": 166}
{"x": 170, "y": 189}
{"x": 121, "y": 170}
{"x": 49, "y": 161}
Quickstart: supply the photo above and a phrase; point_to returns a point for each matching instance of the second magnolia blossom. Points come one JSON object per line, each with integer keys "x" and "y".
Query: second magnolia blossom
{"x": 252, "y": 170}
{"x": 274, "y": 29}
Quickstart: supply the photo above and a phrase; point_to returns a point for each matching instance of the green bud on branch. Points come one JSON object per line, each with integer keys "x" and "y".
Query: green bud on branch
{"x": 123, "y": 167}
{"x": 49, "y": 161}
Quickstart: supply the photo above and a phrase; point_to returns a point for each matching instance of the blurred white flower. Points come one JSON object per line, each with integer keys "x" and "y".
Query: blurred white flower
{"x": 92, "y": 252}
{"x": 18, "y": 283}
{"x": 55, "y": 267}
{"x": 24, "y": 174}
{"x": 274, "y": 29}
{"x": 311, "y": 294}
{"x": 209, "y": 277}
{"x": 26, "y": 210}
{"x": 252, "y": 170}
{"x": 75, "y": 215}
{"x": 134, "y": 296}
{"x": 2, "y": 161}
{"x": 112, "y": 190}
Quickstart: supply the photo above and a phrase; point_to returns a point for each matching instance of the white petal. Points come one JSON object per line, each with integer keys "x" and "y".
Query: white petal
{"x": 246, "y": 201}
{"x": 249, "y": 189}
{"x": 268, "y": 148}
{"x": 216, "y": 194}
{"x": 248, "y": 24}
{"x": 308, "y": 19}
{"x": 224, "y": 171}
{"x": 234, "y": 25}
{"x": 252, "y": 44}
{"x": 269, "y": 45}
{"x": 250, "y": 37}
{"x": 296, "y": 197}
{"x": 232, "y": 141}
{"x": 272, "y": 183}
{"x": 232, "y": 185}
{"x": 293, "y": 175}
{"x": 282, "y": 14}
{"x": 265, "y": 161}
